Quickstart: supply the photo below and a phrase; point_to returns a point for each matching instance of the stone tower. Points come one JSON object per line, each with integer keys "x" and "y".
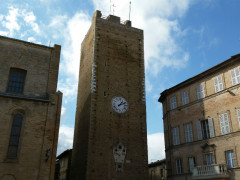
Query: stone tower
{"x": 110, "y": 129}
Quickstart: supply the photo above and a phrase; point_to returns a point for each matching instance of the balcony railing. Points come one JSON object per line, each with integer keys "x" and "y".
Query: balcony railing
{"x": 210, "y": 171}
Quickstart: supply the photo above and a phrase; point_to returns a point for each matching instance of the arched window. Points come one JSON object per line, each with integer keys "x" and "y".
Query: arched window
{"x": 15, "y": 136}
{"x": 16, "y": 80}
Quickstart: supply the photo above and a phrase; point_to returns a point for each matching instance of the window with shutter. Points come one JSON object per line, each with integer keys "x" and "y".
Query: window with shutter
{"x": 185, "y": 99}
{"x": 211, "y": 127}
{"x": 179, "y": 166}
{"x": 191, "y": 161}
{"x": 235, "y": 75}
{"x": 230, "y": 159}
{"x": 209, "y": 159}
{"x": 15, "y": 136}
{"x": 173, "y": 102}
{"x": 200, "y": 91}
{"x": 176, "y": 139}
{"x": 224, "y": 123}
{"x": 199, "y": 130}
{"x": 218, "y": 84}
{"x": 238, "y": 113}
{"x": 188, "y": 132}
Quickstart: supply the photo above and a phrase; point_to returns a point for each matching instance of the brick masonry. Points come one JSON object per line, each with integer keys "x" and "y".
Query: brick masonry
{"x": 112, "y": 64}
{"x": 40, "y": 105}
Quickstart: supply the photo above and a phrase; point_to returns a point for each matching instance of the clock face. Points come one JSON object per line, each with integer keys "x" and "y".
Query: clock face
{"x": 119, "y": 104}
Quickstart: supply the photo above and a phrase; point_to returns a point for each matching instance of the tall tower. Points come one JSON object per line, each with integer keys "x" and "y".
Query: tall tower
{"x": 110, "y": 129}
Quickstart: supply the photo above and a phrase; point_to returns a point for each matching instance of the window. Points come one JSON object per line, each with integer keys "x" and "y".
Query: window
{"x": 218, "y": 84}
{"x": 188, "y": 132}
{"x": 238, "y": 114}
{"x": 209, "y": 158}
{"x": 176, "y": 139}
{"x": 16, "y": 80}
{"x": 235, "y": 74}
{"x": 224, "y": 123}
{"x": 200, "y": 92}
{"x": 179, "y": 166}
{"x": 185, "y": 99}
{"x": 191, "y": 161}
{"x": 15, "y": 136}
{"x": 161, "y": 173}
{"x": 230, "y": 159}
{"x": 173, "y": 102}
{"x": 205, "y": 129}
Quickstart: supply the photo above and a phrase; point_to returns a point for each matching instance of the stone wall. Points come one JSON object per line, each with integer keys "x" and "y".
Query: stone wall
{"x": 39, "y": 104}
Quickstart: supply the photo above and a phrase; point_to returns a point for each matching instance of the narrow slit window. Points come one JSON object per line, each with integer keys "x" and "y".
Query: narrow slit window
{"x": 15, "y": 136}
{"x": 16, "y": 80}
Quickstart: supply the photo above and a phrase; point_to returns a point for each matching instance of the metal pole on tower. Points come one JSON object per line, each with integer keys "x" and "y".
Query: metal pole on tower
{"x": 129, "y": 9}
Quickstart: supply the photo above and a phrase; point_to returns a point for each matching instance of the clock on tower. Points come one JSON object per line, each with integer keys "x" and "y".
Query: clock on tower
{"x": 110, "y": 140}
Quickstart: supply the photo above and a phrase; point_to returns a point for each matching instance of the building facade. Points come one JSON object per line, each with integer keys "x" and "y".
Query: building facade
{"x": 30, "y": 110}
{"x": 110, "y": 128}
{"x": 63, "y": 165}
{"x": 202, "y": 124}
{"x": 157, "y": 170}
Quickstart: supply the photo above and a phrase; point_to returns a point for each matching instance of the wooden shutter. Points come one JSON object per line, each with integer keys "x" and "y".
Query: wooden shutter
{"x": 238, "y": 112}
{"x": 199, "y": 130}
{"x": 233, "y": 77}
{"x": 226, "y": 122}
{"x": 220, "y": 82}
{"x": 211, "y": 127}
{"x": 216, "y": 84}
{"x": 221, "y": 118}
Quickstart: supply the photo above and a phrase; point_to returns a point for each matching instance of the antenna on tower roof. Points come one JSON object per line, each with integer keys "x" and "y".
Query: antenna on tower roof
{"x": 129, "y": 9}
{"x": 110, "y": 7}
{"x": 113, "y": 8}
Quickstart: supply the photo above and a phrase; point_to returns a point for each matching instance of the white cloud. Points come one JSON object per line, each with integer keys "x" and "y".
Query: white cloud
{"x": 10, "y": 21}
{"x": 65, "y": 138}
{"x": 3, "y": 33}
{"x": 63, "y": 110}
{"x": 69, "y": 88}
{"x": 30, "y": 19}
{"x": 75, "y": 32}
{"x": 156, "y": 147}
{"x": 17, "y": 19}
{"x": 159, "y": 19}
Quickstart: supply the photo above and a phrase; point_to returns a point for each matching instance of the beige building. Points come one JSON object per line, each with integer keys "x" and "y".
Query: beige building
{"x": 30, "y": 110}
{"x": 63, "y": 165}
{"x": 202, "y": 124}
{"x": 157, "y": 170}
{"x": 110, "y": 139}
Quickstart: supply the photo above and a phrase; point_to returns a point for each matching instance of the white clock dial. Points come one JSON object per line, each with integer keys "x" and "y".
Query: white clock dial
{"x": 119, "y": 104}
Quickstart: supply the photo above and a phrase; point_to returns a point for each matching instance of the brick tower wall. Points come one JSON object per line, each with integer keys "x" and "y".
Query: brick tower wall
{"x": 114, "y": 66}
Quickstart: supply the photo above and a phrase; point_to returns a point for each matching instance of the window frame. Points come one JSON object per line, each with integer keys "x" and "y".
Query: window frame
{"x": 238, "y": 115}
{"x": 234, "y": 77}
{"x": 232, "y": 160}
{"x": 200, "y": 91}
{"x": 218, "y": 84}
{"x": 13, "y": 125}
{"x": 173, "y": 102}
{"x": 188, "y": 133}
{"x": 176, "y": 136}
{"x": 225, "y": 129}
{"x": 185, "y": 98}
{"x": 179, "y": 166}
{"x": 210, "y": 154}
{"x": 16, "y": 70}
{"x": 194, "y": 163}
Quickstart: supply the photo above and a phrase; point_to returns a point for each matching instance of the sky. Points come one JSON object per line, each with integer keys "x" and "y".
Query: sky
{"x": 181, "y": 39}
